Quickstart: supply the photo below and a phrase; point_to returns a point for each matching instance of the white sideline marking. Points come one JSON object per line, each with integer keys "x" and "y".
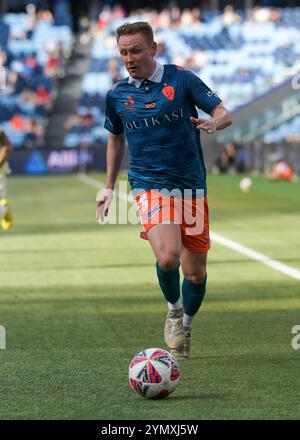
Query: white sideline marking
{"x": 257, "y": 256}
{"x": 90, "y": 181}
{"x": 226, "y": 242}
{"x": 97, "y": 184}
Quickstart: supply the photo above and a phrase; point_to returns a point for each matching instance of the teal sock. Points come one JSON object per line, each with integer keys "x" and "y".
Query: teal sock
{"x": 193, "y": 295}
{"x": 169, "y": 281}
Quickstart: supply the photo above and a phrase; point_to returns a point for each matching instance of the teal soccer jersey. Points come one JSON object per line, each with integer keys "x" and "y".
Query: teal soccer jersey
{"x": 164, "y": 145}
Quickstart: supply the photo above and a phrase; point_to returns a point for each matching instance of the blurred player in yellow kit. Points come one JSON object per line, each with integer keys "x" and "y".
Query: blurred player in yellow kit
{"x": 5, "y": 210}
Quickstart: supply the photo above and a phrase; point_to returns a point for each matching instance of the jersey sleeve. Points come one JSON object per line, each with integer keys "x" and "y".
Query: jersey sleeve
{"x": 200, "y": 94}
{"x": 113, "y": 122}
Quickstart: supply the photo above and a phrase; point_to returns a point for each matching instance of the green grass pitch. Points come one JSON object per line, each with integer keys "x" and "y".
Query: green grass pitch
{"x": 78, "y": 300}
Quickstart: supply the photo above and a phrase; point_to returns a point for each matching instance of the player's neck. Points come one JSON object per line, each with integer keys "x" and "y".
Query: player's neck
{"x": 150, "y": 73}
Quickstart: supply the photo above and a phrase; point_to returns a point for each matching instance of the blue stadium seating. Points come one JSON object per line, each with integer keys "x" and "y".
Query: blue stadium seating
{"x": 28, "y": 51}
{"x": 243, "y": 60}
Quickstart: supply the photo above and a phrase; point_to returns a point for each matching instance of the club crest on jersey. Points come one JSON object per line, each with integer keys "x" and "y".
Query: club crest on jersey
{"x": 129, "y": 105}
{"x": 169, "y": 92}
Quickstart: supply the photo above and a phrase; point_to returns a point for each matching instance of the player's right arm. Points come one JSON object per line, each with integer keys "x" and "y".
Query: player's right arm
{"x": 5, "y": 148}
{"x": 114, "y": 156}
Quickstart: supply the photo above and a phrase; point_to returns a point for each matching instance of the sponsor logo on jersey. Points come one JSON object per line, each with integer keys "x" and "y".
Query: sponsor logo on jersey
{"x": 167, "y": 118}
{"x": 151, "y": 104}
{"x": 211, "y": 93}
{"x": 169, "y": 92}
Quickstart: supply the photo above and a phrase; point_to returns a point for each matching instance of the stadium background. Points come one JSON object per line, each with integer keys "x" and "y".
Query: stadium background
{"x": 57, "y": 79}
{"x": 60, "y": 59}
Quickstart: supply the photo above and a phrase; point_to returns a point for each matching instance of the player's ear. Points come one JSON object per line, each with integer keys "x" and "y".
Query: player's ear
{"x": 154, "y": 48}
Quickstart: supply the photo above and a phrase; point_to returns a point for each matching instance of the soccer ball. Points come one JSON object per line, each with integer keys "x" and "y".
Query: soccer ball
{"x": 245, "y": 184}
{"x": 154, "y": 373}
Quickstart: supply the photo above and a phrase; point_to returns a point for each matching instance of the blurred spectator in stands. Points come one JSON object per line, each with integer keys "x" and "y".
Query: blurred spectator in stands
{"x": 241, "y": 158}
{"x": 162, "y": 53}
{"x": 231, "y": 160}
{"x": 230, "y": 16}
{"x": 164, "y": 19}
{"x": 72, "y": 121}
{"x": 28, "y": 100}
{"x": 200, "y": 58}
{"x": 196, "y": 13}
{"x": 34, "y": 133}
{"x": 118, "y": 12}
{"x": 43, "y": 97}
{"x": 186, "y": 18}
{"x": 14, "y": 83}
{"x": 282, "y": 170}
{"x": 263, "y": 15}
{"x": 32, "y": 19}
{"x": 179, "y": 60}
{"x": 18, "y": 122}
{"x": 105, "y": 17}
{"x": 45, "y": 15}
{"x": 30, "y": 65}
{"x": 83, "y": 118}
{"x": 174, "y": 12}
{"x": 222, "y": 164}
{"x": 52, "y": 65}
{"x": 114, "y": 71}
{"x": 3, "y": 57}
{"x": 196, "y": 61}
{"x": 87, "y": 119}
{"x": 189, "y": 18}
{"x": 4, "y": 33}
{"x": 244, "y": 76}
{"x": 230, "y": 149}
{"x": 175, "y": 24}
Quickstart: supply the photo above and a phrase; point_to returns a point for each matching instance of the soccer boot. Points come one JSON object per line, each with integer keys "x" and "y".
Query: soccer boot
{"x": 184, "y": 352}
{"x": 7, "y": 221}
{"x": 173, "y": 331}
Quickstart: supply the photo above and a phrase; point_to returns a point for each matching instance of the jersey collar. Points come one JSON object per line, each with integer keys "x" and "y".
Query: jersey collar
{"x": 155, "y": 77}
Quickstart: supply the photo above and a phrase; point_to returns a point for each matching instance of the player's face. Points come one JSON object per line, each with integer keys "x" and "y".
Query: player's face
{"x": 137, "y": 55}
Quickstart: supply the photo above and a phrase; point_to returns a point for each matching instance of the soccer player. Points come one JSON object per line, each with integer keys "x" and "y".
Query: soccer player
{"x": 5, "y": 210}
{"x": 155, "y": 108}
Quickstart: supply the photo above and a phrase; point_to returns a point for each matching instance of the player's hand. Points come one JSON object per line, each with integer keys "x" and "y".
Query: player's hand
{"x": 208, "y": 125}
{"x": 103, "y": 200}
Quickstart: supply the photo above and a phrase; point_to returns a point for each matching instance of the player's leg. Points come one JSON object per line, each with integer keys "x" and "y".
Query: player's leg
{"x": 165, "y": 240}
{"x": 5, "y": 211}
{"x": 3, "y": 208}
{"x": 193, "y": 291}
{"x": 194, "y": 283}
{"x": 157, "y": 217}
{"x": 196, "y": 244}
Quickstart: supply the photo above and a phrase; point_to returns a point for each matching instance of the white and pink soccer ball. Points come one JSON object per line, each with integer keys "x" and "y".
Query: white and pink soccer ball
{"x": 245, "y": 184}
{"x": 154, "y": 373}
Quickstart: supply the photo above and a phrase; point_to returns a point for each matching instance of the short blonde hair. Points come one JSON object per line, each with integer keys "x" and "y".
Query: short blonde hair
{"x": 139, "y": 27}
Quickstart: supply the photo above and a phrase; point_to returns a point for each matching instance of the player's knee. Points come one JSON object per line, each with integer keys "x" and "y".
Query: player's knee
{"x": 195, "y": 276}
{"x": 168, "y": 260}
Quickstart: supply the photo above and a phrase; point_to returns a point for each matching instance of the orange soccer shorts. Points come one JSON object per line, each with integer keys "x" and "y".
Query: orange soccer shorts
{"x": 191, "y": 214}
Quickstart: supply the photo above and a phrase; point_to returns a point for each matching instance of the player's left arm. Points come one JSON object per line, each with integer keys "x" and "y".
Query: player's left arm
{"x": 5, "y": 148}
{"x": 220, "y": 119}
